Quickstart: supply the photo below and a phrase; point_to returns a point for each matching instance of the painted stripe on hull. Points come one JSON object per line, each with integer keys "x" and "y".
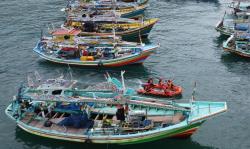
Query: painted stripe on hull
{"x": 134, "y": 14}
{"x": 135, "y": 34}
{"x": 185, "y": 134}
{"x": 120, "y": 62}
{"x": 141, "y": 139}
{"x": 237, "y": 52}
{"x": 133, "y": 61}
{"x": 224, "y": 32}
{"x": 126, "y": 35}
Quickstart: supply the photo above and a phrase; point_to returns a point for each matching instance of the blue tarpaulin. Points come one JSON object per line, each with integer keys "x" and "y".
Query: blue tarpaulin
{"x": 77, "y": 121}
{"x": 242, "y": 27}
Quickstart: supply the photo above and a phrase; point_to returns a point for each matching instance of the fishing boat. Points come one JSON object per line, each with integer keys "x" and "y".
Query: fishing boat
{"x": 104, "y": 5}
{"x": 240, "y": 22}
{"x": 134, "y": 12}
{"x": 240, "y": 6}
{"x": 116, "y": 120}
{"x": 68, "y": 87}
{"x": 84, "y": 53}
{"x": 238, "y": 44}
{"x": 163, "y": 89}
{"x": 128, "y": 29}
{"x": 237, "y": 19}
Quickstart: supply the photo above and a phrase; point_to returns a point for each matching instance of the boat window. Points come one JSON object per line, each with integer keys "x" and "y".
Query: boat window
{"x": 136, "y": 50}
{"x": 45, "y": 92}
{"x": 56, "y": 92}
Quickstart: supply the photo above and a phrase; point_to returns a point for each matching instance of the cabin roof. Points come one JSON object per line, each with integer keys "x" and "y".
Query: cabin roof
{"x": 63, "y": 31}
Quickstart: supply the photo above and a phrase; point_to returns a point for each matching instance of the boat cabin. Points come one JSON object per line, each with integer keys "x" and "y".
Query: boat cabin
{"x": 62, "y": 35}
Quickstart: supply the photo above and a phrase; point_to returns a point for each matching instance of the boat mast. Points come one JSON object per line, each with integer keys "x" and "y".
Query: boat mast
{"x": 193, "y": 93}
{"x": 192, "y": 98}
{"x": 123, "y": 83}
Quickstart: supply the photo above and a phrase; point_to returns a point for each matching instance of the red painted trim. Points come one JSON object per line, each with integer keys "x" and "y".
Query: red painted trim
{"x": 237, "y": 52}
{"x": 185, "y": 134}
{"x": 127, "y": 62}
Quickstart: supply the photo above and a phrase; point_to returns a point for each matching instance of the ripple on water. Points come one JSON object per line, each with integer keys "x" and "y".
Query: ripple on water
{"x": 190, "y": 51}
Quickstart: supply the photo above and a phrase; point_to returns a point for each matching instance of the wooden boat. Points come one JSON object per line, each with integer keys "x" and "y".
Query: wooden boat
{"x": 118, "y": 120}
{"x": 77, "y": 6}
{"x": 240, "y": 6}
{"x": 237, "y": 20}
{"x": 128, "y": 29}
{"x": 238, "y": 44}
{"x": 227, "y": 26}
{"x": 135, "y": 12}
{"x": 84, "y": 53}
{"x": 110, "y": 88}
{"x": 163, "y": 89}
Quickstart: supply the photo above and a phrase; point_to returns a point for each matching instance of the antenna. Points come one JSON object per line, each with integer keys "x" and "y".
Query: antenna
{"x": 193, "y": 93}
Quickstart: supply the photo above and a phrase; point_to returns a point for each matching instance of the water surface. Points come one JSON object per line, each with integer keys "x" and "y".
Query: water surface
{"x": 190, "y": 51}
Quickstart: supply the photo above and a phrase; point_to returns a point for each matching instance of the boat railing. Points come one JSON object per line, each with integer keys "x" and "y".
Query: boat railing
{"x": 121, "y": 100}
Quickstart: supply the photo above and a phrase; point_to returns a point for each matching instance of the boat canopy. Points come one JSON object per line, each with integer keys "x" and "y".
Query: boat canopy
{"x": 242, "y": 27}
{"x": 63, "y": 31}
{"x": 242, "y": 35}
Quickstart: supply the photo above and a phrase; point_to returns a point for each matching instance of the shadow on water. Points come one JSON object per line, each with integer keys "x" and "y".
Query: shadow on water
{"x": 136, "y": 70}
{"x": 33, "y": 141}
{"x": 230, "y": 58}
{"x": 219, "y": 40}
{"x": 236, "y": 64}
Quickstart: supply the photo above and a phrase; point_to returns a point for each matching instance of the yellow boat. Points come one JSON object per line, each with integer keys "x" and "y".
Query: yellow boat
{"x": 126, "y": 28}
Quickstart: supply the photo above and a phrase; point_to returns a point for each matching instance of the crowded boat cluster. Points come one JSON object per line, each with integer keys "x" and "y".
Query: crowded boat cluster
{"x": 100, "y": 33}
{"x": 104, "y": 33}
{"x": 235, "y": 25}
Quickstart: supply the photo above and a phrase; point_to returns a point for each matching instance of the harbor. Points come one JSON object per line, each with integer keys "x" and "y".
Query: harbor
{"x": 187, "y": 50}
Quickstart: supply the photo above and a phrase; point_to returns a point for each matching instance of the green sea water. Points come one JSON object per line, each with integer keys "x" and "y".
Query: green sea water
{"x": 190, "y": 51}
